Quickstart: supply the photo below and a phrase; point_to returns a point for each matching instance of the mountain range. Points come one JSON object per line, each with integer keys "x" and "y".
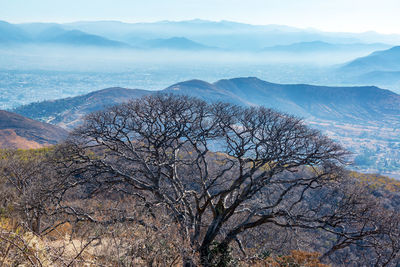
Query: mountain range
{"x": 57, "y": 34}
{"x": 226, "y": 34}
{"x": 199, "y": 34}
{"x": 345, "y": 104}
{"x": 40, "y": 33}
{"x": 77, "y": 38}
{"x": 365, "y": 120}
{"x": 68, "y": 112}
{"x": 324, "y": 47}
{"x": 174, "y": 43}
{"x": 381, "y": 68}
{"x": 385, "y": 60}
{"x": 11, "y": 33}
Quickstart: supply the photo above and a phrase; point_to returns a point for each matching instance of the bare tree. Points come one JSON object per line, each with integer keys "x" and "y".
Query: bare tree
{"x": 218, "y": 169}
{"x": 28, "y": 182}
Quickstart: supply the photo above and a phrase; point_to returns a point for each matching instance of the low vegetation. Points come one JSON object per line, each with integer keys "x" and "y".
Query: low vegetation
{"x": 173, "y": 181}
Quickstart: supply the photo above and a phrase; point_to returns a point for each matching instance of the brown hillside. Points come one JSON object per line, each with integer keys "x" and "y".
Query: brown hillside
{"x": 17, "y": 131}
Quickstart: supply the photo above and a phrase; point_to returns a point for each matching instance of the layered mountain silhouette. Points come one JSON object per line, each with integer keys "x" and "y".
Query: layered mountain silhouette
{"x": 386, "y": 60}
{"x": 51, "y": 33}
{"x": 319, "y": 46}
{"x": 11, "y": 34}
{"x": 351, "y": 104}
{"x": 226, "y": 34}
{"x": 175, "y": 43}
{"x": 343, "y": 104}
{"x": 57, "y": 35}
{"x": 223, "y": 34}
{"x": 17, "y": 131}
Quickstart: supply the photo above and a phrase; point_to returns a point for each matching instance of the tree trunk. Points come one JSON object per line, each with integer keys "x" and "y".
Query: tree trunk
{"x": 219, "y": 256}
{"x": 204, "y": 257}
{"x": 188, "y": 262}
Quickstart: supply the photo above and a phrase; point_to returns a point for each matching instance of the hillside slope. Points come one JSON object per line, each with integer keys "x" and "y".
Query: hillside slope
{"x": 365, "y": 120}
{"x": 346, "y": 104}
{"x": 51, "y": 33}
{"x": 363, "y": 105}
{"x": 68, "y": 112}
{"x": 11, "y": 34}
{"x": 79, "y": 38}
{"x": 386, "y": 60}
{"x": 319, "y": 46}
{"x": 17, "y": 131}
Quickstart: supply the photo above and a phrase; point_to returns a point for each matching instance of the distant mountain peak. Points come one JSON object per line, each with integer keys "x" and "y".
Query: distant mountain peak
{"x": 359, "y": 103}
{"x": 198, "y": 21}
{"x": 199, "y": 84}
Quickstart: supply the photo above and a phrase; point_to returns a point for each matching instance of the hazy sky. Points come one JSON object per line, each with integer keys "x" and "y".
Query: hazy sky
{"x": 329, "y": 15}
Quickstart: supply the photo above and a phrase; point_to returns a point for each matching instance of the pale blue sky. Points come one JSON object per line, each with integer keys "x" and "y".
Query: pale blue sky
{"x": 329, "y": 15}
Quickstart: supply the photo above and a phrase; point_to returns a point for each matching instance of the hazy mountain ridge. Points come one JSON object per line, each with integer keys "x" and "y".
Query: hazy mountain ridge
{"x": 223, "y": 34}
{"x": 226, "y": 34}
{"x": 193, "y": 49}
{"x": 174, "y": 43}
{"x": 51, "y": 33}
{"x": 11, "y": 34}
{"x": 76, "y": 37}
{"x": 319, "y": 47}
{"x": 380, "y": 68}
{"x": 351, "y": 104}
{"x": 68, "y": 112}
{"x": 347, "y": 104}
{"x": 386, "y": 60}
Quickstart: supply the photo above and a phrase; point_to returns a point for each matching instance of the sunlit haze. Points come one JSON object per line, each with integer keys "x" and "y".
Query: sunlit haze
{"x": 338, "y": 15}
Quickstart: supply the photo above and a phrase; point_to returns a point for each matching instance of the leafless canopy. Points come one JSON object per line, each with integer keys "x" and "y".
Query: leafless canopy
{"x": 219, "y": 169}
